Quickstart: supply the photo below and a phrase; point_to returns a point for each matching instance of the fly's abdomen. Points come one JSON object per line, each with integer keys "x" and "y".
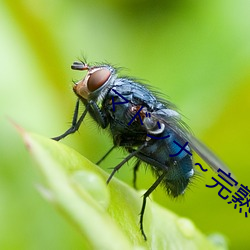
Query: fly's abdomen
{"x": 178, "y": 176}
{"x": 164, "y": 155}
{"x": 180, "y": 165}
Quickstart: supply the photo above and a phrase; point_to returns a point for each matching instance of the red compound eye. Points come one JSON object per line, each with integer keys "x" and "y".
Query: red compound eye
{"x": 97, "y": 79}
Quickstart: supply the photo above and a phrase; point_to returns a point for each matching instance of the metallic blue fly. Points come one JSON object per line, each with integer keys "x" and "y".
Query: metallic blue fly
{"x": 149, "y": 128}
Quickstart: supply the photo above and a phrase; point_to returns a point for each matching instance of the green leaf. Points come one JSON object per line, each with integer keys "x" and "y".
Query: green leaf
{"x": 107, "y": 215}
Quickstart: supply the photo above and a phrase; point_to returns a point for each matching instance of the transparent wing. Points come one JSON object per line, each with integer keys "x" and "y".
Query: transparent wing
{"x": 206, "y": 154}
{"x": 172, "y": 120}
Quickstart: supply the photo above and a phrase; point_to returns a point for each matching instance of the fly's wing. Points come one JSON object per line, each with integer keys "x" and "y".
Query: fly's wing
{"x": 171, "y": 119}
{"x": 206, "y": 154}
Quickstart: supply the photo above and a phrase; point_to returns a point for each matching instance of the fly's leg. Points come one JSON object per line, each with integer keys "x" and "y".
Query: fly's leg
{"x": 124, "y": 161}
{"x": 75, "y": 124}
{"x": 105, "y": 155}
{"x": 145, "y": 196}
{"x": 99, "y": 116}
{"x": 136, "y": 167}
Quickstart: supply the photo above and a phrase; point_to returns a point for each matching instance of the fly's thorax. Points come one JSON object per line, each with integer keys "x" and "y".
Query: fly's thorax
{"x": 96, "y": 83}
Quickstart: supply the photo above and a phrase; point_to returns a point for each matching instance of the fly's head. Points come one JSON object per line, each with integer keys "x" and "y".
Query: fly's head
{"x": 95, "y": 81}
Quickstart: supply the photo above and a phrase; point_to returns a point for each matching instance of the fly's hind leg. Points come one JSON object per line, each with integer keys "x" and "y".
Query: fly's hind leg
{"x": 145, "y": 196}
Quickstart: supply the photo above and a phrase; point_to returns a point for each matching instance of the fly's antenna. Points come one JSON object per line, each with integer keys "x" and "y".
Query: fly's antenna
{"x": 80, "y": 66}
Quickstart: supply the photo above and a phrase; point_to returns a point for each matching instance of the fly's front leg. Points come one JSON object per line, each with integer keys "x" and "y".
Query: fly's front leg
{"x": 75, "y": 124}
{"x": 99, "y": 116}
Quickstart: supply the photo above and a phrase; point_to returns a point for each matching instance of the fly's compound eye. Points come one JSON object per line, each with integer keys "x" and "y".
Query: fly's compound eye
{"x": 97, "y": 79}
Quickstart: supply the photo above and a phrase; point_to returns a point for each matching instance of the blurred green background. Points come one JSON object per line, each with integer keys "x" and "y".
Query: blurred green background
{"x": 195, "y": 52}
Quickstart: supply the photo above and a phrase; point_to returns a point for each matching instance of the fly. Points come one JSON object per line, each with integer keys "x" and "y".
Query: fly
{"x": 148, "y": 127}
